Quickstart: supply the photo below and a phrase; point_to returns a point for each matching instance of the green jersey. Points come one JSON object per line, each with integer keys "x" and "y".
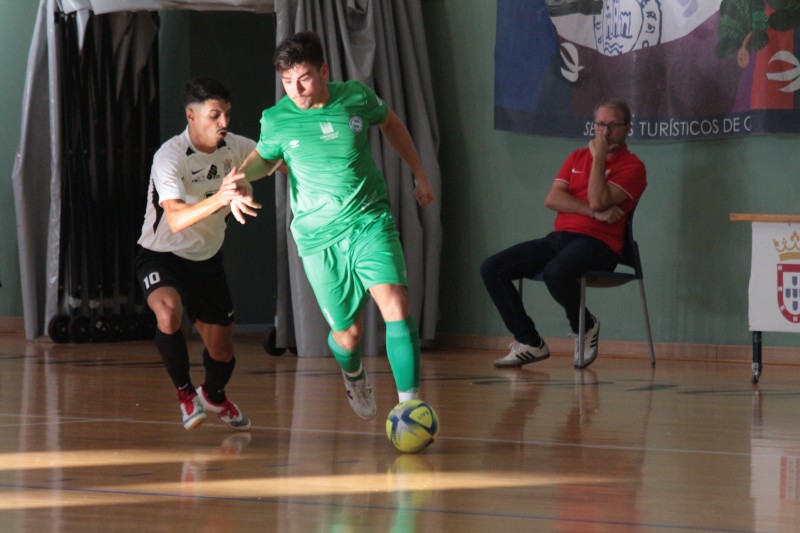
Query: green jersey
{"x": 335, "y": 186}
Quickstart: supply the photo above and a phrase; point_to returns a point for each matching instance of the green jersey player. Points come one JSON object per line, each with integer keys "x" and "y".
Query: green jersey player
{"x": 342, "y": 224}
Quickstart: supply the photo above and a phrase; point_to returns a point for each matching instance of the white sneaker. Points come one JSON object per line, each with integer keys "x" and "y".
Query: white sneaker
{"x": 522, "y": 354}
{"x": 590, "y": 342}
{"x": 227, "y": 411}
{"x": 359, "y": 394}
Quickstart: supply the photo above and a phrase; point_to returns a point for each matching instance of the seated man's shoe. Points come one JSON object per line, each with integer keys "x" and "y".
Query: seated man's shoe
{"x": 590, "y": 342}
{"x": 522, "y": 354}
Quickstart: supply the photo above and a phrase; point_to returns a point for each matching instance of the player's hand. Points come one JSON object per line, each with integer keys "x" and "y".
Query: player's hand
{"x": 244, "y": 205}
{"x": 423, "y": 191}
{"x": 234, "y": 186}
{"x": 237, "y": 192}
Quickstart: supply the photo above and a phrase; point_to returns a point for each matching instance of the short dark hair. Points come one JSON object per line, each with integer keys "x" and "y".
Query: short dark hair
{"x": 616, "y": 103}
{"x": 303, "y": 47}
{"x": 198, "y": 90}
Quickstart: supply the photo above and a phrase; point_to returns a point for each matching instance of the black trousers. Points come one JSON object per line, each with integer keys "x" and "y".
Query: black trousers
{"x": 563, "y": 258}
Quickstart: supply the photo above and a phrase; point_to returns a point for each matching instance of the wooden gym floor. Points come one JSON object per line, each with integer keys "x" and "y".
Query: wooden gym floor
{"x": 91, "y": 440}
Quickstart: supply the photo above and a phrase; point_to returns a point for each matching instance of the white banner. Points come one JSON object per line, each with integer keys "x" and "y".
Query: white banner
{"x": 774, "y": 291}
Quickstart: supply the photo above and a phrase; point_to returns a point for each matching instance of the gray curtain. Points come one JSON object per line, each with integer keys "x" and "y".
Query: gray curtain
{"x": 380, "y": 43}
{"x": 36, "y": 176}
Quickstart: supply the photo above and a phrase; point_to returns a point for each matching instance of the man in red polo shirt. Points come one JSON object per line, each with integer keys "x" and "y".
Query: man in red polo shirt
{"x": 593, "y": 195}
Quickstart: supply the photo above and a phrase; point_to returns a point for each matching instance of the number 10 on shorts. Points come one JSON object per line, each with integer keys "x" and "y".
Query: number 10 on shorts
{"x": 153, "y": 278}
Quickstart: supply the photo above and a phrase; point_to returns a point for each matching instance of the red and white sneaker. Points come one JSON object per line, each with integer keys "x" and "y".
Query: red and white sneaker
{"x": 228, "y": 411}
{"x": 191, "y": 409}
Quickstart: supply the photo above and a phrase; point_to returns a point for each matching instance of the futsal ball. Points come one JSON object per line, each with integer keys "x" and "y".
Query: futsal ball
{"x": 412, "y": 426}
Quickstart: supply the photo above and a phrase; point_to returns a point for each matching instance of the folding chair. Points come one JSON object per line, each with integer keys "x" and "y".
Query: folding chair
{"x": 606, "y": 279}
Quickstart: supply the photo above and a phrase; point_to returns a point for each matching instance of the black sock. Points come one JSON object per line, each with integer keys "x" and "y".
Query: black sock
{"x": 175, "y": 355}
{"x": 217, "y": 376}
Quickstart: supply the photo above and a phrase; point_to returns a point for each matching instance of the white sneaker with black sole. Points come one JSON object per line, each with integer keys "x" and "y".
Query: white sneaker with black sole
{"x": 590, "y": 344}
{"x": 522, "y": 354}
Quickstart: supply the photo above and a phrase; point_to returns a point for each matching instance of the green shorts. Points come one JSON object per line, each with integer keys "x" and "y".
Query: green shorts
{"x": 342, "y": 274}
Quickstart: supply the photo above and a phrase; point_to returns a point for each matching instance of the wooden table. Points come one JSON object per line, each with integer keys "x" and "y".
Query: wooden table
{"x": 776, "y": 248}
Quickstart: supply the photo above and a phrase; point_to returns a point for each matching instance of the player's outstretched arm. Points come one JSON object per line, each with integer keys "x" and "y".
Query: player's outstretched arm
{"x": 400, "y": 140}
{"x": 256, "y": 167}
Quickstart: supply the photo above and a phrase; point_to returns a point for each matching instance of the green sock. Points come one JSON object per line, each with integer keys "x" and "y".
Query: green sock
{"x": 402, "y": 347}
{"x": 349, "y": 360}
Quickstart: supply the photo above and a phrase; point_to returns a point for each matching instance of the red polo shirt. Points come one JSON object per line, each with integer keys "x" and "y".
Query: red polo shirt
{"x": 623, "y": 170}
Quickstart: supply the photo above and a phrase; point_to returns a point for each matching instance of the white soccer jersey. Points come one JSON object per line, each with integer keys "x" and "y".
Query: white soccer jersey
{"x": 181, "y": 172}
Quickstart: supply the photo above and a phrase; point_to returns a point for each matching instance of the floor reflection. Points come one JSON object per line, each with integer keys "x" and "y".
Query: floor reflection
{"x": 774, "y": 465}
{"x": 92, "y": 439}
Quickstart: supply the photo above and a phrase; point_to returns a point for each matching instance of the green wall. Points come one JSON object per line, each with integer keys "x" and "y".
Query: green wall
{"x": 696, "y": 262}
{"x": 16, "y": 27}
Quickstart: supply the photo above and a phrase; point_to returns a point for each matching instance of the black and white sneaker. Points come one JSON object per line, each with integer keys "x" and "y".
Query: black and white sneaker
{"x": 590, "y": 342}
{"x": 522, "y": 354}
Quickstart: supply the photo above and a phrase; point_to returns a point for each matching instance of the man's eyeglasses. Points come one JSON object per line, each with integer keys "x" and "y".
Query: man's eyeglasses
{"x": 611, "y": 126}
